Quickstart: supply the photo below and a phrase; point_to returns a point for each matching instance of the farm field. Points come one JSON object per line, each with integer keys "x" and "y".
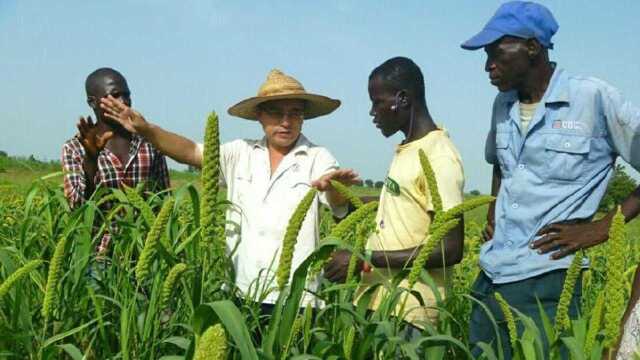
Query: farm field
{"x": 166, "y": 291}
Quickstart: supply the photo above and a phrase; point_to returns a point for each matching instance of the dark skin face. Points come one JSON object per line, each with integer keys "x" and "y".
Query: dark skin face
{"x": 508, "y": 62}
{"x": 105, "y": 133}
{"x": 383, "y": 99}
{"x": 101, "y": 87}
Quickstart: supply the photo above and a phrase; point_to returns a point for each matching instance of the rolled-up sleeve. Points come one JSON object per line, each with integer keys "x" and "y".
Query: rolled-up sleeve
{"x": 623, "y": 125}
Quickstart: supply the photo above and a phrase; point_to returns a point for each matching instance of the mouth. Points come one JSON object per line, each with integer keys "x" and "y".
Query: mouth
{"x": 283, "y": 133}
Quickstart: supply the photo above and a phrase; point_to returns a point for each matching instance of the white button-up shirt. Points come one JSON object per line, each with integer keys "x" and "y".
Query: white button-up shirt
{"x": 263, "y": 203}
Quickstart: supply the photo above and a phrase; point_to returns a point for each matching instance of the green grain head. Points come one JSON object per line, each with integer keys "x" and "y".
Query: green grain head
{"x": 562, "y": 311}
{"x": 139, "y": 203}
{"x": 291, "y": 237}
{"x": 361, "y": 241}
{"x": 347, "y": 225}
{"x": 150, "y": 245}
{"x": 432, "y": 184}
{"x": 8, "y": 283}
{"x": 210, "y": 177}
{"x": 595, "y": 323}
{"x": 212, "y": 344}
{"x": 346, "y": 193}
{"x": 53, "y": 278}
{"x": 170, "y": 283}
{"x": 433, "y": 240}
{"x": 508, "y": 316}
{"x": 462, "y": 208}
{"x": 615, "y": 284}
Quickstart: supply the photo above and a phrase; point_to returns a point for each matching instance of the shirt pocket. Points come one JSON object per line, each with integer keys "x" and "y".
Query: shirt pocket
{"x": 567, "y": 157}
{"x": 504, "y": 153}
{"x": 297, "y": 190}
{"x": 243, "y": 189}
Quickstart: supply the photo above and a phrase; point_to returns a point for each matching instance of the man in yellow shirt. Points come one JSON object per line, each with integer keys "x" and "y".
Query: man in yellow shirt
{"x": 396, "y": 90}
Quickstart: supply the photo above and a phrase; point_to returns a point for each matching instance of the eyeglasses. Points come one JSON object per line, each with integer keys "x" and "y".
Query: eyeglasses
{"x": 279, "y": 114}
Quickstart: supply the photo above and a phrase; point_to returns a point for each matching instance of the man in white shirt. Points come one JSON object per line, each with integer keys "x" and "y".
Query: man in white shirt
{"x": 267, "y": 178}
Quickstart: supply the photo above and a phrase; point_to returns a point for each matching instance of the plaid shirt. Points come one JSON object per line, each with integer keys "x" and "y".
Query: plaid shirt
{"x": 145, "y": 164}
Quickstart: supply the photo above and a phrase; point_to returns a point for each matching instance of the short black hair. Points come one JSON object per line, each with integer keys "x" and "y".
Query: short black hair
{"x": 402, "y": 73}
{"x": 100, "y": 73}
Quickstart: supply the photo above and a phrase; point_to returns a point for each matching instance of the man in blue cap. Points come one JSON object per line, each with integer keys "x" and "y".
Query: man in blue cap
{"x": 553, "y": 143}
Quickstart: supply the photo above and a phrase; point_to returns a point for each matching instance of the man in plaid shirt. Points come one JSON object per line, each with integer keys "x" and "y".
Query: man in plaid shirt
{"x": 104, "y": 154}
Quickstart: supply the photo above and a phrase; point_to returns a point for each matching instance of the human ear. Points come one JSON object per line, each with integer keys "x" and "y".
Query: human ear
{"x": 533, "y": 47}
{"x": 91, "y": 101}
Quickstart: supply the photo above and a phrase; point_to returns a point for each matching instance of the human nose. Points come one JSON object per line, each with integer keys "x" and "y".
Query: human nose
{"x": 489, "y": 65}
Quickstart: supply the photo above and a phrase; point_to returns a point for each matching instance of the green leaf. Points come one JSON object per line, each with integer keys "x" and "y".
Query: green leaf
{"x": 179, "y": 341}
{"x": 63, "y": 335}
{"x": 576, "y": 349}
{"x": 72, "y": 351}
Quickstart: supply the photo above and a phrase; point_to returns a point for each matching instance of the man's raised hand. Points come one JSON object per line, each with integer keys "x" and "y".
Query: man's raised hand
{"x": 346, "y": 176}
{"x": 127, "y": 117}
{"x": 92, "y": 142}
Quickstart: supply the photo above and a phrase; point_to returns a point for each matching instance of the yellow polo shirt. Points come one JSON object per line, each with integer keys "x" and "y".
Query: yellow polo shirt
{"x": 405, "y": 214}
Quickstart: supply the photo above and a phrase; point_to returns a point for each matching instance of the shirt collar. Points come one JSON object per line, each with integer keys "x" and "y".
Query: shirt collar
{"x": 301, "y": 147}
{"x": 558, "y": 89}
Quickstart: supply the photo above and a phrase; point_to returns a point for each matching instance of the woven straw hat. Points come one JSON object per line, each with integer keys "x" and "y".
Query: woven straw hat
{"x": 279, "y": 86}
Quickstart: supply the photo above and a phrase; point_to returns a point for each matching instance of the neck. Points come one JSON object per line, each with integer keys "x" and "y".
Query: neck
{"x": 281, "y": 150}
{"x": 118, "y": 131}
{"x": 535, "y": 83}
{"x": 421, "y": 125}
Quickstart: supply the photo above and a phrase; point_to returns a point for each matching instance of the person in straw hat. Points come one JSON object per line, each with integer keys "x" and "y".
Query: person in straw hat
{"x": 265, "y": 178}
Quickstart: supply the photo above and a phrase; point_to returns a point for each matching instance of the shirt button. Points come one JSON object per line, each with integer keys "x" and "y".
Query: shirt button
{"x": 567, "y": 145}
{"x": 515, "y": 205}
{"x": 521, "y": 166}
{"x": 261, "y": 232}
{"x": 509, "y": 243}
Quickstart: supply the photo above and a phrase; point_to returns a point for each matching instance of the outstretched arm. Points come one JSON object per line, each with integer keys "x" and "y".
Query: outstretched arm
{"x": 175, "y": 146}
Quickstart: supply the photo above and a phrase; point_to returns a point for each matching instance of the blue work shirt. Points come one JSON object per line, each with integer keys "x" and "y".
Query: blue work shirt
{"x": 557, "y": 171}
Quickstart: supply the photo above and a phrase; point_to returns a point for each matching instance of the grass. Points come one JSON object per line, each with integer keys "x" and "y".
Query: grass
{"x": 100, "y": 310}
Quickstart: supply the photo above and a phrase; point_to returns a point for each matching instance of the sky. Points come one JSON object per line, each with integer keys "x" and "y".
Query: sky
{"x": 183, "y": 59}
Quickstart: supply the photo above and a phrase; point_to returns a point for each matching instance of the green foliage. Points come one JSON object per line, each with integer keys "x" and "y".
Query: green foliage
{"x": 108, "y": 314}
{"x": 620, "y": 186}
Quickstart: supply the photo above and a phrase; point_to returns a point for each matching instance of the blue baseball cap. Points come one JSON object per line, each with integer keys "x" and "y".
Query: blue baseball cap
{"x": 521, "y": 19}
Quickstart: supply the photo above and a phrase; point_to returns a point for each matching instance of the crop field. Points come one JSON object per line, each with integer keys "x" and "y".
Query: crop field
{"x": 166, "y": 289}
